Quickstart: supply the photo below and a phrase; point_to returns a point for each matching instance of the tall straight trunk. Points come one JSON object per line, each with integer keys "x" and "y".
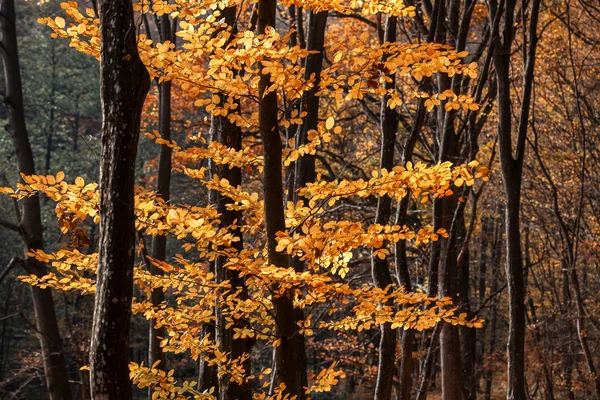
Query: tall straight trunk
{"x": 163, "y": 189}
{"x": 305, "y": 166}
{"x": 405, "y": 368}
{"x": 495, "y": 266}
{"x": 207, "y": 374}
{"x": 486, "y": 237}
{"x": 468, "y": 336}
{"x": 230, "y": 135}
{"x": 445, "y": 213}
{"x": 512, "y": 168}
{"x": 30, "y": 222}
{"x": 454, "y": 276}
{"x": 227, "y": 133}
{"x": 450, "y": 355}
{"x": 380, "y": 267}
{"x": 285, "y": 357}
{"x": 124, "y": 83}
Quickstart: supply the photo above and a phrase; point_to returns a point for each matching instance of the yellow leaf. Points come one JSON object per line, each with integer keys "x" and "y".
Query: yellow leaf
{"x": 60, "y": 22}
{"x": 330, "y": 122}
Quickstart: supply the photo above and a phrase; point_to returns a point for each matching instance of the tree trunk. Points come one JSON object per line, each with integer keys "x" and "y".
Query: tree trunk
{"x": 163, "y": 189}
{"x": 406, "y": 336}
{"x": 124, "y": 83}
{"x": 227, "y": 133}
{"x": 495, "y": 264}
{"x": 468, "y": 336}
{"x": 30, "y": 222}
{"x": 286, "y": 353}
{"x": 512, "y": 168}
{"x": 379, "y": 267}
{"x": 305, "y": 166}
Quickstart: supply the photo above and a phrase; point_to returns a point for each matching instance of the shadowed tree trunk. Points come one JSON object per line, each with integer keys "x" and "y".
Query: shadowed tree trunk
{"x": 163, "y": 186}
{"x": 512, "y": 171}
{"x": 230, "y": 135}
{"x": 285, "y": 357}
{"x": 380, "y": 267}
{"x": 305, "y": 166}
{"x": 124, "y": 83}
{"x": 495, "y": 266}
{"x": 406, "y": 336}
{"x": 29, "y": 221}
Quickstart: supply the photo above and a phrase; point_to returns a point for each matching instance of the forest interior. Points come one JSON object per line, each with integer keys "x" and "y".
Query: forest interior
{"x": 300, "y": 199}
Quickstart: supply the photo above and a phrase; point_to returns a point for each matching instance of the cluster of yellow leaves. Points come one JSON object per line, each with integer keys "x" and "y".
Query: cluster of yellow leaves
{"x": 419, "y": 179}
{"x": 75, "y": 271}
{"x": 222, "y": 155}
{"x": 316, "y": 137}
{"x": 358, "y": 68}
{"x": 367, "y": 7}
{"x": 163, "y": 383}
{"x": 76, "y": 201}
{"x": 324, "y": 244}
{"x": 236, "y": 60}
{"x": 452, "y": 101}
{"x": 327, "y": 378}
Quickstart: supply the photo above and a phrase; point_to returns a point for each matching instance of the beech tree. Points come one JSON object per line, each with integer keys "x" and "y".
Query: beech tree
{"x": 512, "y": 167}
{"x": 124, "y": 83}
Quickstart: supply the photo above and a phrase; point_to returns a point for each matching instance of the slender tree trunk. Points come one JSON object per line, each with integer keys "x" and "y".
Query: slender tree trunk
{"x": 380, "y": 267}
{"x": 30, "y": 222}
{"x": 449, "y": 336}
{"x": 207, "y": 374}
{"x": 163, "y": 189}
{"x": 468, "y": 336}
{"x": 305, "y": 166}
{"x": 227, "y": 133}
{"x": 406, "y": 336}
{"x": 512, "y": 167}
{"x": 489, "y": 372}
{"x": 124, "y": 83}
{"x": 426, "y": 373}
{"x": 286, "y": 356}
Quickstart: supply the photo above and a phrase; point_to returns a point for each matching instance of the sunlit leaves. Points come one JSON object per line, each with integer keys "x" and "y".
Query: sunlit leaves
{"x": 219, "y": 67}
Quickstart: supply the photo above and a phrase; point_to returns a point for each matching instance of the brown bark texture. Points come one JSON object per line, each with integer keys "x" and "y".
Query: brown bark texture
{"x": 124, "y": 83}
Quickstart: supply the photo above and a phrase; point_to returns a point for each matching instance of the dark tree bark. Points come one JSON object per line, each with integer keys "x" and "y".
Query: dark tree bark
{"x": 305, "y": 166}
{"x": 405, "y": 367}
{"x": 512, "y": 171}
{"x": 382, "y": 277}
{"x": 227, "y": 133}
{"x": 495, "y": 266}
{"x": 163, "y": 189}
{"x": 230, "y": 135}
{"x": 207, "y": 374}
{"x": 285, "y": 357}
{"x": 124, "y": 83}
{"x": 29, "y": 220}
{"x": 468, "y": 336}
